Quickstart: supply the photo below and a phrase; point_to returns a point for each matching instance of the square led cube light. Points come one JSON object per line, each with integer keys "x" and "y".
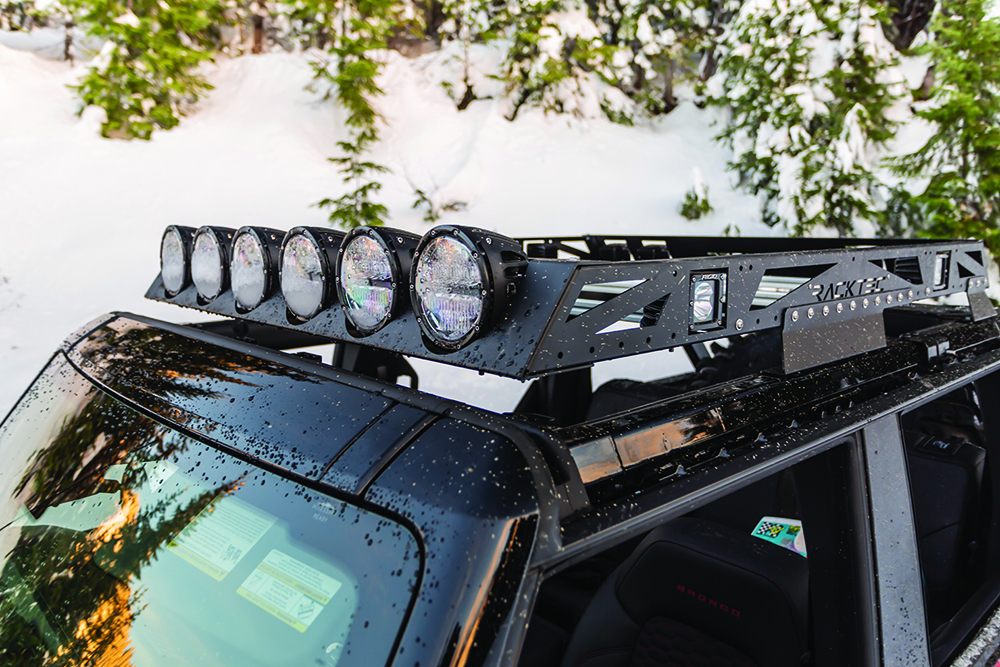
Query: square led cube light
{"x": 708, "y": 301}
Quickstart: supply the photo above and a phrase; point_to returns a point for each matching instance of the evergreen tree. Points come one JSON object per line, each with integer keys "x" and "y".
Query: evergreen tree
{"x": 584, "y": 58}
{"x": 908, "y": 19}
{"x": 304, "y": 24}
{"x": 661, "y": 42}
{"x": 20, "y": 15}
{"x": 27, "y": 15}
{"x": 253, "y": 26}
{"x": 809, "y": 85}
{"x": 558, "y": 61}
{"x": 359, "y": 32}
{"x": 468, "y": 22}
{"x": 962, "y": 157}
{"x": 145, "y": 76}
{"x": 356, "y": 208}
{"x": 696, "y": 204}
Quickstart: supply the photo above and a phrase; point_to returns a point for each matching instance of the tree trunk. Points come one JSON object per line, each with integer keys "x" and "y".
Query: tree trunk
{"x": 926, "y": 86}
{"x": 908, "y": 18}
{"x": 669, "y": 101}
{"x": 68, "y": 44}
{"x": 258, "y": 34}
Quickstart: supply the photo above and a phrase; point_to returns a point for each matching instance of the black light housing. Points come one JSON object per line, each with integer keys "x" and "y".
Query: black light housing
{"x": 307, "y": 270}
{"x": 210, "y": 261}
{"x": 373, "y": 295}
{"x": 708, "y": 300}
{"x": 461, "y": 283}
{"x": 175, "y": 259}
{"x": 253, "y": 265}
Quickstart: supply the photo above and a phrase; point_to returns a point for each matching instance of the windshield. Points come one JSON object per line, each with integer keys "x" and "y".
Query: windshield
{"x": 126, "y": 543}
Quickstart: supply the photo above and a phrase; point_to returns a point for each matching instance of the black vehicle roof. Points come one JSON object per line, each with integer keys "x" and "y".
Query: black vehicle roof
{"x": 474, "y": 484}
{"x": 317, "y": 423}
{"x": 346, "y": 432}
{"x": 469, "y": 487}
{"x": 342, "y": 430}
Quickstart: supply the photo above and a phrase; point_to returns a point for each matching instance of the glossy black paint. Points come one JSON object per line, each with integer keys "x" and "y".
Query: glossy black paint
{"x": 476, "y": 554}
{"x": 395, "y": 427}
{"x": 763, "y": 432}
{"x": 291, "y": 419}
{"x": 900, "y": 593}
{"x": 686, "y": 430}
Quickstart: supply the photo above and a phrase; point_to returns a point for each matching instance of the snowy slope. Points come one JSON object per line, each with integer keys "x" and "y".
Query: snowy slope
{"x": 82, "y": 216}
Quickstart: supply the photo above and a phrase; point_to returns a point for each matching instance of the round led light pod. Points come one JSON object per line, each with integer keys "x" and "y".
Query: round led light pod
{"x": 308, "y": 258}
{"x": 461, "y": 282}
{"x": 373, "y": 266}
{"x": 175, "y": 259}
{"x": 210, "y": 261}
{"x": 253, "y": 266}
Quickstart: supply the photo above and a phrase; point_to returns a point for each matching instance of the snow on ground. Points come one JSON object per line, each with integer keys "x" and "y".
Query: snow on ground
{"x": 44, "y": 42}
{"x": 82, "y": 216}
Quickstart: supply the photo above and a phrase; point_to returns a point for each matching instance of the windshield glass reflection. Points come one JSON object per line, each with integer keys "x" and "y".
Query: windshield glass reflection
{"x": 123, "y": 542}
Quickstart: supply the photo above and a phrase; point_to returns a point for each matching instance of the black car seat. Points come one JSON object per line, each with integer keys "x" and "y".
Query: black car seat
{"x": 772, "y": 496}
{"x": 695, "y": 593}
{"x": 946, "y": 475}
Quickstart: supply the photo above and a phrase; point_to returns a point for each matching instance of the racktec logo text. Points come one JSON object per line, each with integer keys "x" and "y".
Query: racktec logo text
{"x": 846, "y": 289}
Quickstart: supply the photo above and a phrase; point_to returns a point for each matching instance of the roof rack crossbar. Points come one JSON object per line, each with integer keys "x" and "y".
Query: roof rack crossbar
{"x": 680, "y": 247}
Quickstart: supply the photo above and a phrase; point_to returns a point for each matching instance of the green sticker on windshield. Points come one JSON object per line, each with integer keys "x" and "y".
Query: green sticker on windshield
{"x": 289, "y": 589}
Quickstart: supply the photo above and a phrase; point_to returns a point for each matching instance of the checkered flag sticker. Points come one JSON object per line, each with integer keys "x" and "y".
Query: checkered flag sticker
{"x": 769, "y": 529}
{"x": 786, "y": 533}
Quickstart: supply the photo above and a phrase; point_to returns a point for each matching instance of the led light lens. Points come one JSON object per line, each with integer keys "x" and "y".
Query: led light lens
{"x": 173, "y": 263}
{"x": 207, "y": 264}
{"x": 366, "y": 279}
{"x": 303, "y": 282}
{"x": 449, "y": 288}
{"x": 248, "y": 271}
{"x": 941, "y": 270}
{"x": 704, "y": 300}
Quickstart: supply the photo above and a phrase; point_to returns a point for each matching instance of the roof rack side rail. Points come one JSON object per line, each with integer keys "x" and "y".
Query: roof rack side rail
{"x": 826, "y": 295}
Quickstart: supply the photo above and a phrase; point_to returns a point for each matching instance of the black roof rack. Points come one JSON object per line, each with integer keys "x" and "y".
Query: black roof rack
{"x": 593, "y": 298}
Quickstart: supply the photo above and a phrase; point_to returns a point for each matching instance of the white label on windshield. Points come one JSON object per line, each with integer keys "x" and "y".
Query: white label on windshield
{"x": 221, "y": 536}
{"x": 157, "y": 472}
{"x": 83, "y": 514}
{"x": 289, "y": 589}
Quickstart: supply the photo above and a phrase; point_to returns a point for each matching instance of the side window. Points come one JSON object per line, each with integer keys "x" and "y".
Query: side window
{"x": 741, "y": 580}
{"x": 951, "y": 468}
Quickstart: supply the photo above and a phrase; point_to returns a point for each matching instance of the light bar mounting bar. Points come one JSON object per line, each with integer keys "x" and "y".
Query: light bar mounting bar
{"x": 827, "y": 296}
